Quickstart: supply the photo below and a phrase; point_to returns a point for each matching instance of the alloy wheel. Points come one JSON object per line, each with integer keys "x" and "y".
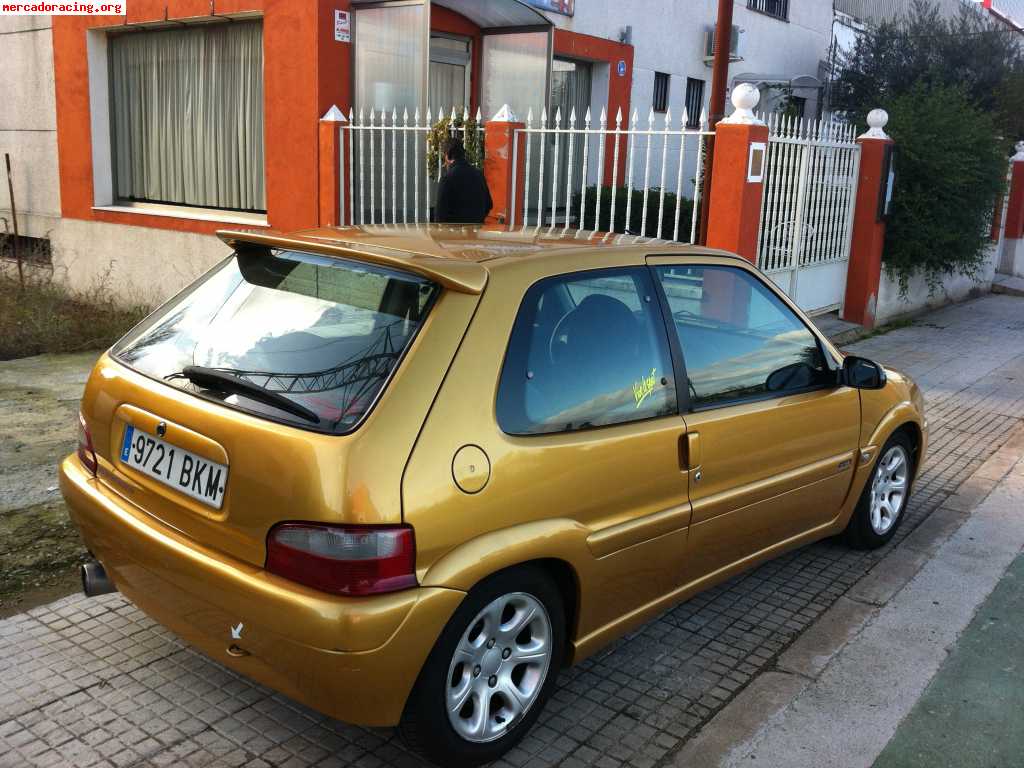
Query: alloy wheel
{"x": 499, "y": 667}
{"x": 889, "y": 489}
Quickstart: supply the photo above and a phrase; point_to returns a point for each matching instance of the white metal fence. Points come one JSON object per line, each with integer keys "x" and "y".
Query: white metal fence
{"x": 807, "y": 209}
{"x": 385, "y": 178}
{"x": 565, "y": 174}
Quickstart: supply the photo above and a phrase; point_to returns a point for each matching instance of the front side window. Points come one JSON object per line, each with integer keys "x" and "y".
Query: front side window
{"x": 186, "y": 109}
{"x": 738, "y": 339}
{"x": 587, "y": 350}
{"x": 297, "y": 337}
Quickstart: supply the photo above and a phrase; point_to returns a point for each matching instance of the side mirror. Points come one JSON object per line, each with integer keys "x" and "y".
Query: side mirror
{"x": 861, "y": 373}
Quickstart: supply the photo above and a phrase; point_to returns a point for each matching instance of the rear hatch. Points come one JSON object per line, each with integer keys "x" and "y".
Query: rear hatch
{"x": 239, "y": 403}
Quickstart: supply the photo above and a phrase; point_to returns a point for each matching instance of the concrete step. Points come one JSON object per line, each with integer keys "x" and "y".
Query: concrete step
{"x": 1014, "y": 286}
{"x": 839, "y": 332}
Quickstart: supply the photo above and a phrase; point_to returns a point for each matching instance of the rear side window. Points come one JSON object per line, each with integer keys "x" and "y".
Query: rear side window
{"x": 738, "y": 339}
{"x": 323, "y": 332}
{"x": 587, "y": 350}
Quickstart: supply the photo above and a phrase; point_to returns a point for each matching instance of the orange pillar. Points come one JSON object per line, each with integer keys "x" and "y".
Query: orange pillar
{"x": 332, "y": 212}
{"x": 500, "y": 162}
{"x": 737, "y": 177}
{"x": 1012, "y": 260}
{"x": 1015, "y": 209}
{"x": 864, "y": 271}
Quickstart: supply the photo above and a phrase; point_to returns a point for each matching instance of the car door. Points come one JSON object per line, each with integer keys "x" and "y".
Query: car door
{"x": 581, "y": 431}
{"x": 771, "y": 437}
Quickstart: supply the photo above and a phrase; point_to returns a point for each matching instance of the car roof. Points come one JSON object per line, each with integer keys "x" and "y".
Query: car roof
{"x": 458, "y": 256}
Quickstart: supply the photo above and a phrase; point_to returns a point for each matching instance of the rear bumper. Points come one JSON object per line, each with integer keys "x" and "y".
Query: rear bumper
{"x": 354, "y": 659}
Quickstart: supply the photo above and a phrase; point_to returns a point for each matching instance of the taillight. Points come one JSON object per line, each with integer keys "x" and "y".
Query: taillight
{"x": 86, "y": 453}
{"x": 344, "y": 559}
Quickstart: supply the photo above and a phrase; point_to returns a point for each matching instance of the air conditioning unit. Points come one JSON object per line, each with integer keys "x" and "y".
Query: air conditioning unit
{"x": 709, "y": 45}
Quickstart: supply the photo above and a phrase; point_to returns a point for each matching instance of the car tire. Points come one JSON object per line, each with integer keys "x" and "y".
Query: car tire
{"x": 517, "y": 615}
{"x": 883, "y": 503}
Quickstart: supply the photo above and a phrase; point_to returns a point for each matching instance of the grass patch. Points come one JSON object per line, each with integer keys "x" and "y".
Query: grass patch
{"x": 46, "y": 317}
{"x": 40, "y": 552}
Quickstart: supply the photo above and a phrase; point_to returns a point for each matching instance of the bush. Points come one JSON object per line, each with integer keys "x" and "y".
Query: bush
{"x": 636, "y": 212}
{"x": 950, "y": 168}
{"x": 466, "y": 129}
{"x": 47, "y": 317}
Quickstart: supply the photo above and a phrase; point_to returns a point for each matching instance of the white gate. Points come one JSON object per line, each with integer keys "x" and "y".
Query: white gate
{"x": 807, "y": 209}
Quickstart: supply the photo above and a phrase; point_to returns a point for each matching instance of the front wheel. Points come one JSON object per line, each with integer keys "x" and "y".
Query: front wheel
{"x": 491, "y": 671}
{"x": 884, "y": 500}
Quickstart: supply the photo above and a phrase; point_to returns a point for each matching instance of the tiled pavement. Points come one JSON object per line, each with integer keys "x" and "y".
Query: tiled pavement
{"x": 94, "y": 682}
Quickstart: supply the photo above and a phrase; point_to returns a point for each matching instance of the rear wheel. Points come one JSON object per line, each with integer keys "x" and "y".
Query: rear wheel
{"x": 884, "y": 500}
{"x": 491, "y": 671}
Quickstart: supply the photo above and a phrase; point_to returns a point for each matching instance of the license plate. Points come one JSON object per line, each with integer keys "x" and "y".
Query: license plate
{"x": 173, "y": 466}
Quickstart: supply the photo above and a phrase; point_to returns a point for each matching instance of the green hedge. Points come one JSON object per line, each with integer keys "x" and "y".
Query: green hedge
{"x": 950, "y": 168}
{"x": 636, "y": 212}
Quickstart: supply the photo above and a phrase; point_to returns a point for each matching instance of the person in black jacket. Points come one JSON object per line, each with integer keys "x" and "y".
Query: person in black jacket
{"x": 462, "y": 195}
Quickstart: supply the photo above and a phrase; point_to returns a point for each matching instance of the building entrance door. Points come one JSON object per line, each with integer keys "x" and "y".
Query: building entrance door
{"x": 570, "y": 90}
{"x": 450, "y": 62}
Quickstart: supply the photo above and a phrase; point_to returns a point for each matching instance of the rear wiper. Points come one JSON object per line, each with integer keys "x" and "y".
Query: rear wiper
{"x": 213, "y": 378}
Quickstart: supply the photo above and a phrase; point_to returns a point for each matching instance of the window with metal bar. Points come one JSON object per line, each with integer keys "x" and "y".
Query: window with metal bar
{"x": 660, "y": 100}
{"x": 777, "y": 8}
{"x": 694, "y": 101}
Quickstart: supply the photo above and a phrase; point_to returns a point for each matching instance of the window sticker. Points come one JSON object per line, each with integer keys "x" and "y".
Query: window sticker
{"x": 644, "y": 387}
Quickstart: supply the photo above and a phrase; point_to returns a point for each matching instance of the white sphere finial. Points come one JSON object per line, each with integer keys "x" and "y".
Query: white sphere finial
{"x": 1019, "y": 157}
{"x": 744, "y": 97}
{"x": 877, "y": 120}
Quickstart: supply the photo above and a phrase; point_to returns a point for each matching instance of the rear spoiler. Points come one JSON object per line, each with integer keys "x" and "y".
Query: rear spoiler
{"x": 458, "y": 275}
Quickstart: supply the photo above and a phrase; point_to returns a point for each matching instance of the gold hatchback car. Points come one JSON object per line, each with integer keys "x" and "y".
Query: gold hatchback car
{"x": 404, "y": 475}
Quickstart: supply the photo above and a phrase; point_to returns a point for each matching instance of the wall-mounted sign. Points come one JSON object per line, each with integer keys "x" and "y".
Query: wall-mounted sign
{"x": 564, "y": 7}
{"x": 755, "y": 163}
{"x": 342, "y": 26}
{"x": 887, "y": 181}
{"x": 621, "y": 68}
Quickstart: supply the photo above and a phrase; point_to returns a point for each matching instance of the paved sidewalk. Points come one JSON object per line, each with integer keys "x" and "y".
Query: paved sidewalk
{"x": 95, "y": 682}
{"x": 844, "y": 712}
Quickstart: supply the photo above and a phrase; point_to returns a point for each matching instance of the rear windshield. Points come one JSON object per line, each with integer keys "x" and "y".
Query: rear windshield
{"x": 323, "y": 332}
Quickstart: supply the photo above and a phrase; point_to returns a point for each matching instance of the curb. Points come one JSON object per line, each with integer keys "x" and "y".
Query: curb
{"x": 807, "y": 657}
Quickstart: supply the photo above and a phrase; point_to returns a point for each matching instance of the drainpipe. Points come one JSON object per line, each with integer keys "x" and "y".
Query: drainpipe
{"x": 719, "y": 83}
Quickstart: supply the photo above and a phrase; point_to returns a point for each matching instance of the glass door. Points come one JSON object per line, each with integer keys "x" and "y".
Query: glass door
{"x": 570, "y": 89}
{"x": 450, "y": 62}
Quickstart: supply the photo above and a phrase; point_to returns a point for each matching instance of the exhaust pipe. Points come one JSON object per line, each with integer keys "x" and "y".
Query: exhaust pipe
{"x": 95, "y": 580}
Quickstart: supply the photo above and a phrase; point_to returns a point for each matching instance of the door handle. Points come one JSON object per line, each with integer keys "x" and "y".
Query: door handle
{"x": 690, "y": 452}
